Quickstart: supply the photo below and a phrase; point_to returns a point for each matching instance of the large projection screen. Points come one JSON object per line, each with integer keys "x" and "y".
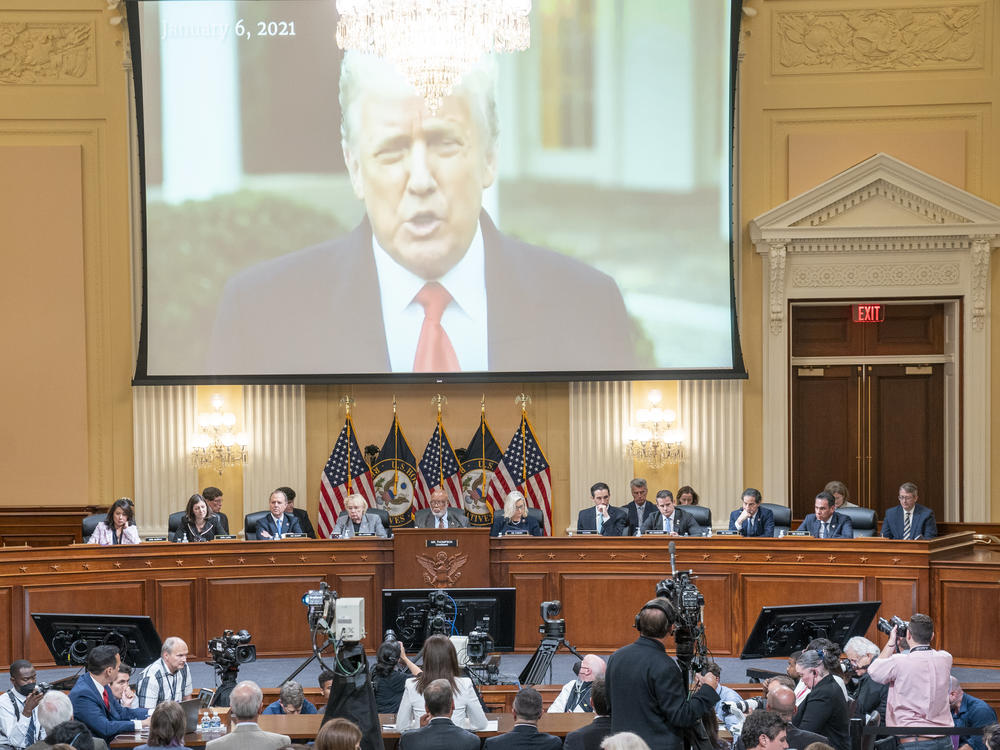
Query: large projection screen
{"x": 565, "y": 214}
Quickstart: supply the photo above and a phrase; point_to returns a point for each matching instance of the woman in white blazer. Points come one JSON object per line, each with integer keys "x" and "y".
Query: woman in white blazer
{"x": 441, "y": 662}
{"x": 118, "y": 526}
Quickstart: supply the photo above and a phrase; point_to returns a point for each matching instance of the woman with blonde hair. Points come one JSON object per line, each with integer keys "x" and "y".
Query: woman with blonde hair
{"x": 624, "y": 741}
{"x": 515, "y": 518}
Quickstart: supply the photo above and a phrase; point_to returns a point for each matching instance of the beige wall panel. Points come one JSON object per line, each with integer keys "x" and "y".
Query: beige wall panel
{"x": 815, "y": 157}
{"x": 42, "y": 321}
{"x": 372, "y": 411}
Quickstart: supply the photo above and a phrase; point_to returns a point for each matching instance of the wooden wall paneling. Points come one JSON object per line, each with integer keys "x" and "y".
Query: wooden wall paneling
{"x": 418, "y": 564}
{"x": 973, "y": 637}
{"x": 770, "y": 590}
{"x": 532, "y": 590}
{"x": 721, "y": 613}
{"x": 79, "y": 597}
{"x": 599, "y": 608}
{"x": 7, "y": 645}
{"x": 175, "y": 608}
{"x": 369, "y": 588}
{"x": 262, "y": 603}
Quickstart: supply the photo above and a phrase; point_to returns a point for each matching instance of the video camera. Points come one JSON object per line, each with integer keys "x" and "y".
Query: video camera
{"x": 232, "y": 648}
{"x": 885, "y": 626}
{"x": 341, "y": 619}
{"x": 480, "y": 644}
{"x": 688, "y": 602}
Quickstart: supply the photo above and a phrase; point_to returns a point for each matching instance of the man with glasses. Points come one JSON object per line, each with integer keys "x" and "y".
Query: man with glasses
{"x": 868, "y": 695}
{"x": 909, "y": 519}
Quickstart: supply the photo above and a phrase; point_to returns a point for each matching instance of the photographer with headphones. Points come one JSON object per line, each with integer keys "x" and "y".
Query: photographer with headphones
{"x": 646, "y": 688}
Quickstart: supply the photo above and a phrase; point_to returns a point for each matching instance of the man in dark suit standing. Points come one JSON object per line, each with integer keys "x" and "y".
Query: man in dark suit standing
{"x": 670, "y": 519}
{"x": 639, "y": 509}
{"x": 439, "y": 515}
{"x": 428, "y": 281}
{"x": 751, "y": 519}
{"x": 300, "y": 513}
{"x": 525, "y": 734}
{"x": 590, "y": 736}
{"x": 909, "y": 519}
{"x": 436, "y": 728}
{"x": 277, "y": 523}
{"x": 826, "y": 523}
{"x": 604, "y": 518}
{"x": 92, "y": 700}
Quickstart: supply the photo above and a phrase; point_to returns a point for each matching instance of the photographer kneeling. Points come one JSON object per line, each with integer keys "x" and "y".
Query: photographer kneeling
{"x": 918, "y": 683}
{"x": 646, "y": 687}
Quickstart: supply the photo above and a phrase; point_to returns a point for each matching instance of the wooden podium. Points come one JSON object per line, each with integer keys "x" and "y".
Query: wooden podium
{"x": 442, "y": 558}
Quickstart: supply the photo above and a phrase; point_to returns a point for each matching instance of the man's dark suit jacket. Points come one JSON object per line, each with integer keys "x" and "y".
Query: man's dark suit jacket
{"x": 763, "y": 524}
{"x": 523, "y": 737}
{"x": 683, "y": 523}
{"x": 840, "y": 526}
{"x": 871, "y": 696}
{"x": 303, "y": 517}
{"x": 824, "y": 711}
{"x": 88, "y": 707}
{"x": 439, "y": 734}
{"x": 222, "y": 521}
{"x": 632, "y": 510}
{"x": 289, "y": 526}
{"x": 616, "y": 525}
{"x": 424, "y": 519}
{"x": 319, "y": 310}
{"x": 922, "y": 523}
{"x": 590, "y": 736}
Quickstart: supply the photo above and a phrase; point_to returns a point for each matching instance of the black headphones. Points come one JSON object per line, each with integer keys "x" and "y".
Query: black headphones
{"x": 661, "y": 604}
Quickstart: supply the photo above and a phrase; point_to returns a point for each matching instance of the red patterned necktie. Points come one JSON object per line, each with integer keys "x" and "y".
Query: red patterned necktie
{"x": 107, "y": 703}
{"x": 434, "y": 350}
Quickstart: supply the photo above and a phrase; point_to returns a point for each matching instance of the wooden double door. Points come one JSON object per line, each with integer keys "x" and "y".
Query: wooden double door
{"x": 871, "y": 424}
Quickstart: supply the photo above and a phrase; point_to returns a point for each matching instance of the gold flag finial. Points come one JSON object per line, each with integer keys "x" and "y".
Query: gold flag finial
{"x": 348, "y": 402}
{"x": 393, "y": 403}
{"x": 482, "y": 404}
{"x": 439, "y": 400}
{"x": 522, "y": 399}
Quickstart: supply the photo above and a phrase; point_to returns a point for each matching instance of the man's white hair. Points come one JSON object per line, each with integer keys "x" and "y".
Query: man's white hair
{"x": 54, "y": 709}
{"x": 862, "y": 646}
{"x": 360, "y": 72}
{"x": 170, "y": 644}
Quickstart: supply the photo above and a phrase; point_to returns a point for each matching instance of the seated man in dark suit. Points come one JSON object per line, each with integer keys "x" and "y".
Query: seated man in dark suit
{"x": 826, "y": 523}
{"x": 525, "y": 734}
{"x": 909, "y": 519}
{"x": 278, "y": 523}
{"x": 670, "y": 519}
{"x": 640, "y": 508}
{"x": 213, "y": 496}
{"x": 300, "y": 513}
{"x": 439, "y": 515}
{"x": 92, "y": 701}
{"x": 436, "y": 728}
{"x": 603, "y": 517}
{"x": 590, "y": 736}
{"x": 751, "y": 519}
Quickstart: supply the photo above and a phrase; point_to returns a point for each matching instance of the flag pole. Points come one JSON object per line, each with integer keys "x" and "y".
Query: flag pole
{"x": 523, "y": 399}
{"x": 395, "y": 446}
{"x": 347, "y": 401}
{"x": 438, "y": 400}
{"x": 482, "y": 436}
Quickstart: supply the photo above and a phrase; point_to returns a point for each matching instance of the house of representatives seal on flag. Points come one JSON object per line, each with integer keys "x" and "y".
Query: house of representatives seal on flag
{"x": 398, "y": 489}
{"x": 480, "y": 459}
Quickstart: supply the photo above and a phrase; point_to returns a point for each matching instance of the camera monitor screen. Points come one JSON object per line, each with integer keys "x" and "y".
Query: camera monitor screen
{"x": 413, "y": 616}
{"x": 303, "y": 211}
{"x": 781, "y": 631}
{"x": 70, "y": 637}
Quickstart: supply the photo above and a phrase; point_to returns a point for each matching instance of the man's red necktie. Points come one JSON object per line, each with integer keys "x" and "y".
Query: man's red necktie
{"x": 434, "y": 350}
{"x": 107, "y": 703}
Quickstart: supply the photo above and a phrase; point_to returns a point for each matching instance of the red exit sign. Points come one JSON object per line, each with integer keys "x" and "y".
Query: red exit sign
{"x": 873, "y": 312}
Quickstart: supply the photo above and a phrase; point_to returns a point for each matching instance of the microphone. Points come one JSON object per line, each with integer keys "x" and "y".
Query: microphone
{"x": 673, "y": 558}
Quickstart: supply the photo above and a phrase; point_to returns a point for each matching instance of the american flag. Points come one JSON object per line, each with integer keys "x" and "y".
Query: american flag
{"x": 439, "y": 466}
{"x": 524, "y": 467}
{"x": 346, "y": 473}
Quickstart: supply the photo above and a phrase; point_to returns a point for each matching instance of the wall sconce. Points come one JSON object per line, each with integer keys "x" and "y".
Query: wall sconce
{"x": 655, "y": 441}
{"x": 215, "y": 445}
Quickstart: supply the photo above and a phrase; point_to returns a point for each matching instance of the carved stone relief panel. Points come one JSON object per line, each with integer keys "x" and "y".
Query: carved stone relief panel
{"x": 942, "y": 37}
{"x": 35, "y": 52}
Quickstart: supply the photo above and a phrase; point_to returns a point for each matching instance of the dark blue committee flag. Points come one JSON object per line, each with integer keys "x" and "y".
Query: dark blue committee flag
{"x": 398, "y": 485}
{"x": 481, "y": 458}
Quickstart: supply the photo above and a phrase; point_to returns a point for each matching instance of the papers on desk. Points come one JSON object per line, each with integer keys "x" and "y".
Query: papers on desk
{"x": 491, "y": 726}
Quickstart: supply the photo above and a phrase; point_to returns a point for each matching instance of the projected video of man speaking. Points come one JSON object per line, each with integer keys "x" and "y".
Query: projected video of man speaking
{"x": 557, "y": 213}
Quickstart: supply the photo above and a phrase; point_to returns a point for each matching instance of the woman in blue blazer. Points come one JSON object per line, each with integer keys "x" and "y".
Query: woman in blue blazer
{"x": 515, "y": 518}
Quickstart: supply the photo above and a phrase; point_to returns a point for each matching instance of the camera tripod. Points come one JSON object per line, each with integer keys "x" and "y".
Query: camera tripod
{"x": 541, "y": 661}
{"x": 228, "y": 674}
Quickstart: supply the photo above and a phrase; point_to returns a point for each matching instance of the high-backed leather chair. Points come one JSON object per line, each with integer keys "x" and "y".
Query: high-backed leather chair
{"x": 90, "y": 524}
{"x": 383, "y": 515}
{"x": 250, "y": 523}
{"x": 174, "y": 523}
{"x": 701, "y": 514}
{"x": 864, "y": 520}
{"x": 782, "y": 517}
{"x": 537, "y": 514}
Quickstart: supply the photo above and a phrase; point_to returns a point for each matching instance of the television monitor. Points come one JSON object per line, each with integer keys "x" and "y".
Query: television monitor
{"x": 412, "y": 616}
{"x": 70, "y": 637}
{"x": 781, "y": 631}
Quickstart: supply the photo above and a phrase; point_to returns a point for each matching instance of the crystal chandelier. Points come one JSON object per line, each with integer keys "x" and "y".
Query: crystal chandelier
{"x": 215, "y": 445}
{"x": 655, "y": 441}
{"x": 433, "y": 42}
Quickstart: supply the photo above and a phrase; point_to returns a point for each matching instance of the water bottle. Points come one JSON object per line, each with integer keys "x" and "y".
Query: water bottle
{"x": 206, "y": 723}
{"x": 709, "y": 532}
{"x": 184, "y": 538}
{"x": 216, "y": 721}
